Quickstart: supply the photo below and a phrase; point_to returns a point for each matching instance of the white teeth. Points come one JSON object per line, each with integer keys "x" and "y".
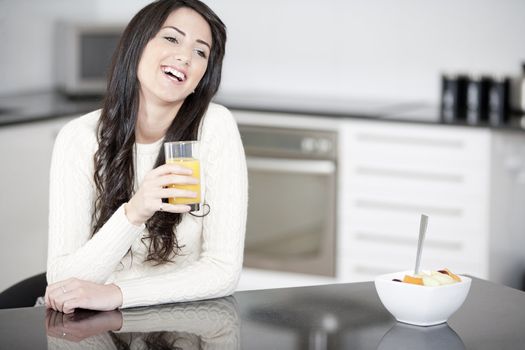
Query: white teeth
{"x": 175, "y": 72}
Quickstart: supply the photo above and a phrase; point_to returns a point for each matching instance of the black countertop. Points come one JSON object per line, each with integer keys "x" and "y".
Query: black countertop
{"x": 38, "y": 106}
{"x": 338, "y": 316}
{"x": 371, "y": 109}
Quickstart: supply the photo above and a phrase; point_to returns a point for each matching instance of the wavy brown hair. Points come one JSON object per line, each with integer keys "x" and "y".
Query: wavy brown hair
{"x": 114, "y": 164}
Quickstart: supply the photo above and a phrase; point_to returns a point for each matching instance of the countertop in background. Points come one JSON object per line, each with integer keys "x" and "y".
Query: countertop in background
{"x": 38, "y": 106}
{"x": 42, "y": 105}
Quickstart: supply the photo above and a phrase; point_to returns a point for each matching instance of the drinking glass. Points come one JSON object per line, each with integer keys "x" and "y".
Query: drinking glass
{"x": 185, "y": 154}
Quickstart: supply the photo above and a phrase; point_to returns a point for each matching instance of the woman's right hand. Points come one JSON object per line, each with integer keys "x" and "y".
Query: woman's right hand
{"x": 148, "y": 199}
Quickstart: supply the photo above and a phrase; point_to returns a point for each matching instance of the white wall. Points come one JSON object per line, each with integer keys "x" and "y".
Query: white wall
{"x": 26, "y": 40}
{"x": 375, "y": 48}
{"x": 368, "y": 48}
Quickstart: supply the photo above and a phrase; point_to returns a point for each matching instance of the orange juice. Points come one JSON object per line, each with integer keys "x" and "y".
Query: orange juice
{"x": 194, "y": 165}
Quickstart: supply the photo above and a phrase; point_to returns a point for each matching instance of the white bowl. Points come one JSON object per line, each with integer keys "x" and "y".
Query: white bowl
{"x": 420, "y": 305}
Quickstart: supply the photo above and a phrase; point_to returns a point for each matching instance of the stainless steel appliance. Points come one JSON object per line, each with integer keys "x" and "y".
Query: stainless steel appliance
{"x": 83, "y": 55}
{"x": 292, "y": 199}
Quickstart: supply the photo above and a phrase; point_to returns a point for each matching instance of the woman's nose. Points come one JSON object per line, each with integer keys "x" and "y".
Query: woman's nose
{"x": 184, "y": 60}
{"x": 184, "y": 56}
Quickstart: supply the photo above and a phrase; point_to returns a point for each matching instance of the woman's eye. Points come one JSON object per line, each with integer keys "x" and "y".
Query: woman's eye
{"x": 171, "y": 39}
{"x": 201, "y": 53}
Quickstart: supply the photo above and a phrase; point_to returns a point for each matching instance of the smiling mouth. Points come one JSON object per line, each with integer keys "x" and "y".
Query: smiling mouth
{"x": 174, "y": 73}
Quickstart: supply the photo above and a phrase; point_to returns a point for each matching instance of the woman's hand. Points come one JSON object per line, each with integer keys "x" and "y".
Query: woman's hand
{"x": 148, "y": 199}
{"x": 65, "y": 296}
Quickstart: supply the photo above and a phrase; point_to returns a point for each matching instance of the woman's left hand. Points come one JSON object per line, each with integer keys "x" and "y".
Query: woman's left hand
{"x": 65, "y": 296}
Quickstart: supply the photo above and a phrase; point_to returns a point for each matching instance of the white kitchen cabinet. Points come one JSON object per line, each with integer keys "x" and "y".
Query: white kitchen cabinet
{"x": 470, "y": 181}
{"x": 507, "y": 206}
{"x": 393, "y": 172}
{"x": 25, "y": 157}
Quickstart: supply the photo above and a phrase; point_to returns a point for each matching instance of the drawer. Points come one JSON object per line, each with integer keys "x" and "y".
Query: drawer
{"x": 377, "y": 178}
{"x": 447, "y": 216}
{"x": 436, "y": 251}
{"x": 367, "y": 269}
{"x": 398, "y": 183}
{"x": 427, "y": 146}
{"x": 404, "y": 228}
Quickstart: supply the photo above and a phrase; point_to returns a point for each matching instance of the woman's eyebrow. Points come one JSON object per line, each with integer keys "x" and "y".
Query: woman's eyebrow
{"x": 184, "y": 34}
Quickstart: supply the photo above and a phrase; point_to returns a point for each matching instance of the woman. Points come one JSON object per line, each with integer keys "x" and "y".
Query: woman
{"x": 113, "y": 240}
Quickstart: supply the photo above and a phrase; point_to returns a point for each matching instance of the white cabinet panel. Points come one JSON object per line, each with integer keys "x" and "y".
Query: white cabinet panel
{"x": 25, "y": 157}
{"x": 435, "y": 146}
{"x": 507, "y": 239}
{"x": 392, "y": 173}
{"x": 448, "y": 214}
{"x": 396, "y": 181}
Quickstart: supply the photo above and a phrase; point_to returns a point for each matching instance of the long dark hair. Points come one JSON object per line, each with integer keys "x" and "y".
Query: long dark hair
{"x": 114, "y": 167}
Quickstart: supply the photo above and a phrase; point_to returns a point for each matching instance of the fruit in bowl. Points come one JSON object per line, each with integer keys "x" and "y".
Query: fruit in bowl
{"x": 432, "y": 278}
{"x": 425, "y": 299}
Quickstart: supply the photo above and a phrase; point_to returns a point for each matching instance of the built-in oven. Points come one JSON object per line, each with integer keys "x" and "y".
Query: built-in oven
{"x": 292, "y": 177}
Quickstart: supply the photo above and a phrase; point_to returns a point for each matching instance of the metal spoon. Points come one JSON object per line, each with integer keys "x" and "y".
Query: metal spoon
{"x": 423, "y": 223}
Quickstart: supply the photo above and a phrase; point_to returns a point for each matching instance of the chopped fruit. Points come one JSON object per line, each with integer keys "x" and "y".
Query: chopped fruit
{"x": 430, "y": 281}
{"x": 442, "y": 278}
{"x": 431, "y": 278}
{"x": 449, "y": 273}
{"x": 413, "y": 280}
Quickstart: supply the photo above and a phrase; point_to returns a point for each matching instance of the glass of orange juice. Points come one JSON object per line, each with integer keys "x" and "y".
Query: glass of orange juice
{"x": 185, "y": 154}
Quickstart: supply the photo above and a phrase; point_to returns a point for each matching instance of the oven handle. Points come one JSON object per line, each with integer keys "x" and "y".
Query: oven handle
{"x": 291, "y": 165}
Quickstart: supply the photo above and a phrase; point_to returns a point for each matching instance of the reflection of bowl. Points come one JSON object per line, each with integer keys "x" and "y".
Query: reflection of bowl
{"x": 420, "y": 305}
{"x": 404, "y": 336}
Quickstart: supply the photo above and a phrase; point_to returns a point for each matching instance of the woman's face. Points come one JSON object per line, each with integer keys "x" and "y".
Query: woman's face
{"x": 175, "y": 60}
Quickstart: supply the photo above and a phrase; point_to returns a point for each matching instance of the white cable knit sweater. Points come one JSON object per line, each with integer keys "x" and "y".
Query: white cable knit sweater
{"x": 210, "y": 262}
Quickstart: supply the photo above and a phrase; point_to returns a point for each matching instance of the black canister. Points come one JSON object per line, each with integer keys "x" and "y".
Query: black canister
{"x": 453, "y": 97}
{"x": 499, "y": 101}
{"x": 478, "y": 99}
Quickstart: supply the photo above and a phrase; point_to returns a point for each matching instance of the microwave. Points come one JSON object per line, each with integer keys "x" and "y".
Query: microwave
{"x": 83, "y": 54}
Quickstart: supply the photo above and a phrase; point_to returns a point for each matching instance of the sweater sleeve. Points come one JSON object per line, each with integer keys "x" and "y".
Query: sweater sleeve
{"x": 216, "y": 272}
{"x": 71, "y": 250}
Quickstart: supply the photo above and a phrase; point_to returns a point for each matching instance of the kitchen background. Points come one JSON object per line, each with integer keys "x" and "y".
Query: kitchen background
{"x": 380, "y": 48}
{"x": 319, "y": 61}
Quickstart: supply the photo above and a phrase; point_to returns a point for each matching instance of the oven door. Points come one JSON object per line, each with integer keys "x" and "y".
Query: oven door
{"x": 291, "y": 215}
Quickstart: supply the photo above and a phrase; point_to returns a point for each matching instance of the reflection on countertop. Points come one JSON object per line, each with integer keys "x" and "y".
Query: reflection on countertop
{"x": 407, "y": 337}
{"x": 208, "y": 324}
{"x": 325, "y": 317}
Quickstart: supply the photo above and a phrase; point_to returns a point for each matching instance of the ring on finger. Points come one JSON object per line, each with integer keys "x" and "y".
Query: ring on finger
{"x": 64, "y": 290}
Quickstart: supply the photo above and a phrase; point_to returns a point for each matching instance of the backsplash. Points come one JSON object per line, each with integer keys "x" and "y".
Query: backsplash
{"x": 380, "y": 49}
